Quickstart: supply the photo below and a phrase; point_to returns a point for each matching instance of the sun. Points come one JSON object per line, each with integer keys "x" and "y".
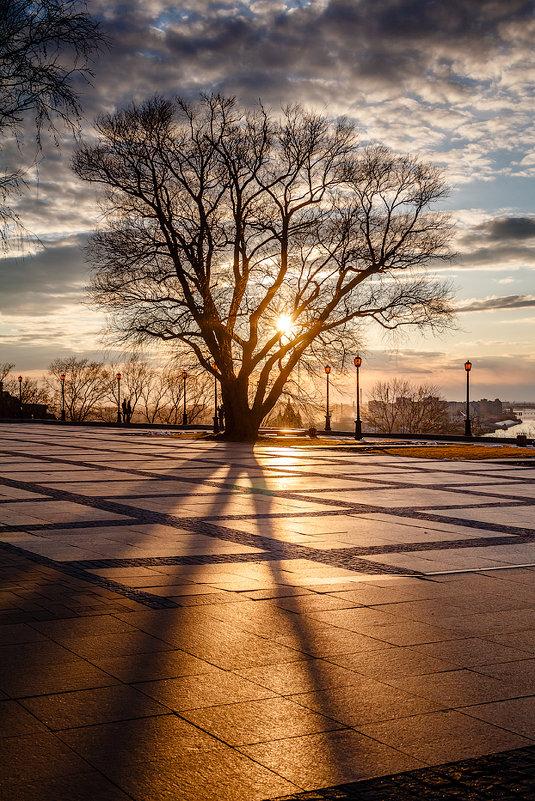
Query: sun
{"x": 284, "y": 323}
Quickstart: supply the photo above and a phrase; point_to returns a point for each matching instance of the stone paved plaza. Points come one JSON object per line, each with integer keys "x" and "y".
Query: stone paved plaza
{"x": 183, "y": 619}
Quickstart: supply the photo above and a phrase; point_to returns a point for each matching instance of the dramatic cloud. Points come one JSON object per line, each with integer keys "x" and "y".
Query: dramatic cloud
{"x": 508, "y": 229}
{"x": 379, "y": 42}
{"x": 497, "y": 243}
{"x": 452, "y": 81}
{"x": 499, "y": 258}
{"x": 494, "y": 303}
{"x": 40, "y": 284}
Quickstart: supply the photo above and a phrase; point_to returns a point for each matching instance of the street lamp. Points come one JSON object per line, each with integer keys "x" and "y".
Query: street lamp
{"x": 185, "y": 414}
{"x": 216, "y": 419}
{"x": 118, "y": 377}
{"x": 20, "y": 396}
{"x": 327, "y": 416}
{"x": 62, "y": 377}
{"x": 358, "y": 421}
{"x": 467, "y": 422}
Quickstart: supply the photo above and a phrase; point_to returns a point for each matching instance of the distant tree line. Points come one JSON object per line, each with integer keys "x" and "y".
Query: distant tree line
{"x": 155, "y": 394}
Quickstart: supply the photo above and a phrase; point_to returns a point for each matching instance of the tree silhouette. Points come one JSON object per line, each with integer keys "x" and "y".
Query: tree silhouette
{"x": 256, "y": 240}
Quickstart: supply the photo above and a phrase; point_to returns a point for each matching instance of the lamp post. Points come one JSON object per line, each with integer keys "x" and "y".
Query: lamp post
{"x": 327, "y": 416}
{"x": 20, "y": 395}
{"x": 118, "y": 377}
{"x": 62, "y": 377}
{"x": 184, "y": 414}
{"x": 467, "y": 422}
{"x": 358, "y": 421}
{"x": 216, "y": 419}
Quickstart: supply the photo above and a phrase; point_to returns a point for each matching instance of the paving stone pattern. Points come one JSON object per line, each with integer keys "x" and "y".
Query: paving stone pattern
{"x": 195, "y": 620}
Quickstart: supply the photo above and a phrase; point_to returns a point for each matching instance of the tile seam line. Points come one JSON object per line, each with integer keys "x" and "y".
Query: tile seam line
{"x": 144, "y": 598}
{"x": 284, "y": 494}
{"x": 266, "y": 556}
{"x": 104, "y": 503}
{"x": 339, "y": 507}
{"x": 153, "y": 455}
{"x": 164, "y": 477}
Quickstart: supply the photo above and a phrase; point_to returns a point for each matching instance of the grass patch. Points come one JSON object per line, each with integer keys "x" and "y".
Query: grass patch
{"x": 302, "y": 442}
{"x": 460, "y": 451}
{"x": 453, "y": 451}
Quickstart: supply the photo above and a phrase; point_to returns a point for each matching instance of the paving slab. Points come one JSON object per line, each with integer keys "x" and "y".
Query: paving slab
{"x": 443, "y": 736}
{"x": 303, "y": 761}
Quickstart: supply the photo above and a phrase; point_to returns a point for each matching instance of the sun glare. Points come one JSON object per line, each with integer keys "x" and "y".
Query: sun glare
{"x": 284, "y": 323}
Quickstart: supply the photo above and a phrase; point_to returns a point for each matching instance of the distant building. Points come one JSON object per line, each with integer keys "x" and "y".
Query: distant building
{"x": 484, "y": 409}
{"x": 10, "y": 408}
{"x": 489, "y": 408}
{"x": 484, "y": 414}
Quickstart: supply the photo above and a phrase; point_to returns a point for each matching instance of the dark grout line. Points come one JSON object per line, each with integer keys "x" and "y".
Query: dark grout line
{"x": 210, "y": 525}
{"x": 144, "y": 598}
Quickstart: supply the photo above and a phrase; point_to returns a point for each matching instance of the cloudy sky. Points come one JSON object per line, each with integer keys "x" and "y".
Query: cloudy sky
{"x": 452, "y": 80}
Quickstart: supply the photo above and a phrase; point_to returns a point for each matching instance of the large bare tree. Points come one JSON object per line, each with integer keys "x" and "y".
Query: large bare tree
{"x": 256, "y": 240}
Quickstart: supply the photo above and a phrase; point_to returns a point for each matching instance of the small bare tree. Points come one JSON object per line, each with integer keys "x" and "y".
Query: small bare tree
{"x": 5, "y": 369}
{"x": 258, "y": 242}
{"x": 163, "y": 396}
{"x": 398, "y": 406}
{"x": 136, "y": 379}
{"x": 30, "y": 389}
{"x": 86, "y": 385}
{"x": 198, "y": 396}
{"x": 153, "y": 394}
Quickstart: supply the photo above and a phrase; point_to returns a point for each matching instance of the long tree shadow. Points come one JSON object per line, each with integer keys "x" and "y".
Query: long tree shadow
{"x": 252, "y": 638}
{"x": 171, "y": 695}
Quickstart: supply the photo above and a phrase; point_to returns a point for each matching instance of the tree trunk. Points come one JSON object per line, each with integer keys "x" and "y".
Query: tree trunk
{"x": 241, "y": 424}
